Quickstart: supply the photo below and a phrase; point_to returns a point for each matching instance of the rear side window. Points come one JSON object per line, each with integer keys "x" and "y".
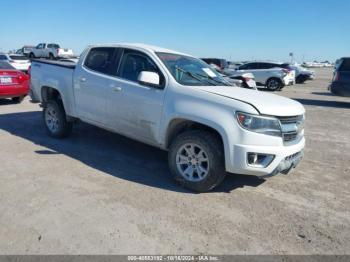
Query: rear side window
{"x": 99, "y": 59}
{"x": 249, "y": 66}
{"x": 345, "y": 66}
{"x": 18, "y": 57}
{"x": 56, "y": 46}
{"x": 134, "y": 62}
{"x": 6, "y": 66}
{"x": 267, "y": 65}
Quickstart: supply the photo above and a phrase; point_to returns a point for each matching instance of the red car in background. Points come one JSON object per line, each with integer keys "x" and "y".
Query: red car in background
{"x": 14, "y": 84}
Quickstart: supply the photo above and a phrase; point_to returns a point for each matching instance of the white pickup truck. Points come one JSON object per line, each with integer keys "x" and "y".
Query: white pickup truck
{"x": 51, "y": 51}
{"x": 175, "y": 102}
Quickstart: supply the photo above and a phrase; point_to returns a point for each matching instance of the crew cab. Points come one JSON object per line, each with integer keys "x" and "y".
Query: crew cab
{"x": 49, "y": 50}
{"x": 273, "y": 76}
{"x": 175, "y": 102}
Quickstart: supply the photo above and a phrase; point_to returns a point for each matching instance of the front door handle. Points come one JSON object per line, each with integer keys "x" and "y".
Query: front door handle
{"x": 117, "y": 89}
{"x": 82, "y": 79}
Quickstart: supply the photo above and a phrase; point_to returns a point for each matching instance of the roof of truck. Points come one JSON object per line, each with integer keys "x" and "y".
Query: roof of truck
{"x": 151, "y": 48}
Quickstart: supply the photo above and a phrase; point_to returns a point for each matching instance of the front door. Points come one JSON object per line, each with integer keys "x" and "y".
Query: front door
{"x": 134, "y": 109}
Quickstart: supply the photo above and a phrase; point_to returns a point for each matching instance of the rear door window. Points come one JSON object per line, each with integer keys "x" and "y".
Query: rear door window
{"x": 100, "y": 59}
{"x": 55, "y": 46}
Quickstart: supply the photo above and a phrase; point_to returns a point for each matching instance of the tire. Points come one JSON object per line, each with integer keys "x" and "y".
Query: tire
{"x": 212, "y": 166}
{"x": 300, "y": 79}
{"x": 55, "y": 121}
{"x": 51, "y": 56}
{"x": 274, "y": 84}
{"x": 31, "y": 56}
{"x": 17, "y": 100}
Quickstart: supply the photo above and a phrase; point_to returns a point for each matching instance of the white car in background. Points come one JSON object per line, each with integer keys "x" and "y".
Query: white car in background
{"x": 51, "y": 51}
{"x": 20, "y": 62}
{"x": 273, "y": 76}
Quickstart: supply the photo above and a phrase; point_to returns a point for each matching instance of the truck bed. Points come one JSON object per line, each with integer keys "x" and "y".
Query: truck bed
{"x": 65, "y": 64}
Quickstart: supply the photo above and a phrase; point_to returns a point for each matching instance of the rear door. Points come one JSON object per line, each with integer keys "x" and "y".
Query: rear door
{"x": 91, "y": 84}
{"x": 254, "y": 68}
{"x": 134, "y": 109}
{"x": 39, "y": 50}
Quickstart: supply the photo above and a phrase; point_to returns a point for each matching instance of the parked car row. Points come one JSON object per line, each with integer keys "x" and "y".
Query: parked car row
{"x": 270, "y": 75}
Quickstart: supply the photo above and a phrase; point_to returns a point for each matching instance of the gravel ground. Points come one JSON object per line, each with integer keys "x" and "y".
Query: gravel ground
{"x": 100, "y": 193}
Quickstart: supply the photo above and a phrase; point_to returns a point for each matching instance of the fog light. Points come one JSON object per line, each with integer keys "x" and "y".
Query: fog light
{"x": 259, "y": 160}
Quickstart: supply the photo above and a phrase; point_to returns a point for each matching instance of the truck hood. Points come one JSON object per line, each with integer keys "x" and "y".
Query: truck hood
{"x": 266, "y": 104}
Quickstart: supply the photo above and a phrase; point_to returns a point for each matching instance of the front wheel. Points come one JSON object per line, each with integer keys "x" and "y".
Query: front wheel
{"x": 55, "y": 120}
{"x": 274, "y": 84}
{"x": 196, "y": 160}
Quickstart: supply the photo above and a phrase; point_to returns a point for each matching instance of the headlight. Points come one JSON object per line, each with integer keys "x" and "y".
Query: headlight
{"x": 260, "y": 124}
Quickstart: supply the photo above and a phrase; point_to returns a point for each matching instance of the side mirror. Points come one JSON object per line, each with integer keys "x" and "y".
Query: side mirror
{"x": 148, "y": 78}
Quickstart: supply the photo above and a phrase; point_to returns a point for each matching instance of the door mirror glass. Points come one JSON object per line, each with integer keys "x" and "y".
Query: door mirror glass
{"x": 149, "y": 79}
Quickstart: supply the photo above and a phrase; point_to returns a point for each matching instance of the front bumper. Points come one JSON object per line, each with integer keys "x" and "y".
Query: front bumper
{"x": 288, "y": 80}
{"x": 285, "y": 159}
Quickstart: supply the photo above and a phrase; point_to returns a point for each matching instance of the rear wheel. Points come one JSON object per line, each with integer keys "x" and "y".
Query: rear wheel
{"x": 18, "y": 99}
{"x": 274, "y": 84}
{"x": 31, "y": 56}
{"x": 51, "y": 56}
{"x": 196, "y": 160}
{"x": 55, "y": 120}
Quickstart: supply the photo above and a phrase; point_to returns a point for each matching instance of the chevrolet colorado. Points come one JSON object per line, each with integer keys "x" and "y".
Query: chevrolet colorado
{"x": 175, "y": 102}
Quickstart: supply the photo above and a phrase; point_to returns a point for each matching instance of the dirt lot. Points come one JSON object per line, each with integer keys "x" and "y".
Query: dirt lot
{"x": 100, "y": 193}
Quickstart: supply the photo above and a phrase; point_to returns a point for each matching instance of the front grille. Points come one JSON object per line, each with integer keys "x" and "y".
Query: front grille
{"x": 292, "y": 127}
{"x": 290, "y": 119}
{"x": 289, "y": 137}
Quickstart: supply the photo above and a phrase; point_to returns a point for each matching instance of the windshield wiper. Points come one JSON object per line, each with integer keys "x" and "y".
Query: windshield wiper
{"x": 217, "y": 81}
{"x": 193, "y": 76}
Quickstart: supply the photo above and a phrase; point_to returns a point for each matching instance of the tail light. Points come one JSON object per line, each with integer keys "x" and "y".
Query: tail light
{"x": 246, "y": 78}
{"x": 337, "y": 77}
{"x": 58, "y": 50}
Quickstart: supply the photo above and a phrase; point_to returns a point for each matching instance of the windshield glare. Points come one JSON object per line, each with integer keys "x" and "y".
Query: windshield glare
{"x": 191, "y": 71}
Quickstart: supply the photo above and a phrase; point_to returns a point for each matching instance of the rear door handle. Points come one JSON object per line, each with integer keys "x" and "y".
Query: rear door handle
{"x": 82, "y": 79}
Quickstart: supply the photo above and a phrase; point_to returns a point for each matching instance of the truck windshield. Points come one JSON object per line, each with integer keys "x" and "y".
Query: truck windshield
{"x": 191, "y": 71}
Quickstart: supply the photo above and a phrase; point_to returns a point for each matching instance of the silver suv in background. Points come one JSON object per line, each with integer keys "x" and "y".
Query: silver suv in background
{"x": 273, "y": 76}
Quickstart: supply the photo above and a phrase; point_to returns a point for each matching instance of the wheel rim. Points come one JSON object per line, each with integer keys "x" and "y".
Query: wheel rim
{"x": 192, "y": 162}
{"x": 51, "y": 119}
{"x": 273, "y": 84}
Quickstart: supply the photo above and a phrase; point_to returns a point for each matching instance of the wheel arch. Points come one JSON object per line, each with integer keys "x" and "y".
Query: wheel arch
{"x": 179, "y": 125}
